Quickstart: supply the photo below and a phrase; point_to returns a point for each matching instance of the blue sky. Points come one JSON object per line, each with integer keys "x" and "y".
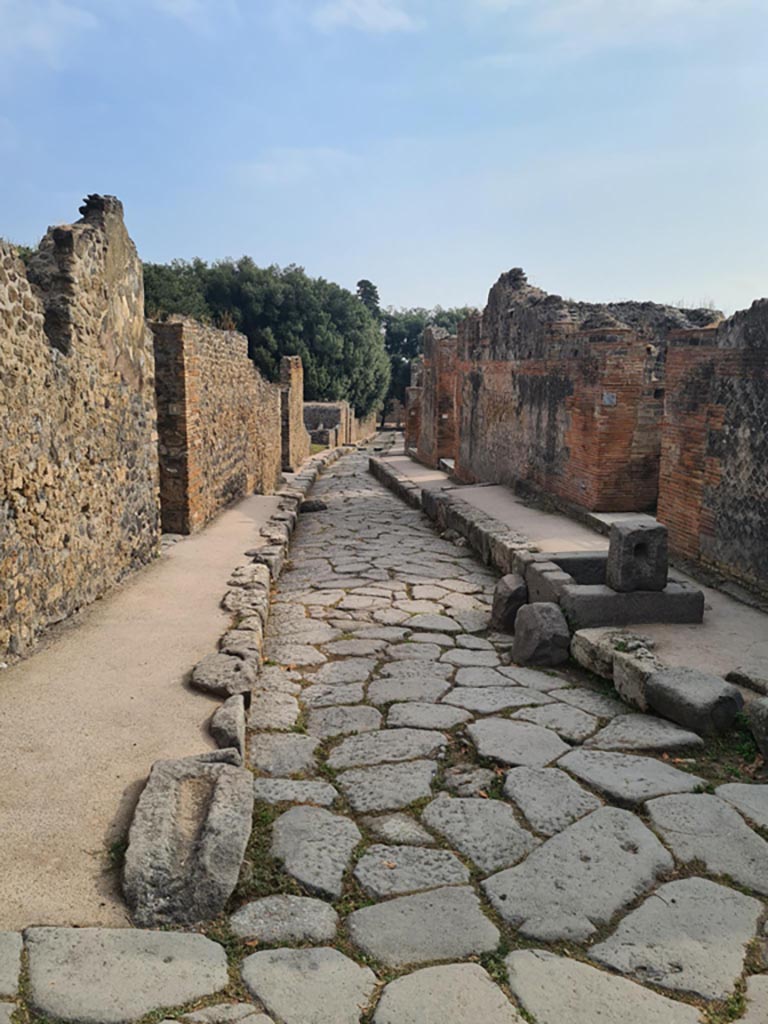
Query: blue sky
{"x": 613, "y": 148}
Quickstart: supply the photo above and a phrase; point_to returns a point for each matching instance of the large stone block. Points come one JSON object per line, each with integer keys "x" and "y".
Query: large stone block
{"x": 638, "y": 557}
{"x": 509, "y": 597}
{"x": 595, "y": 605}
{"x": 697, "y": 700}
{"x": 542, "y": 636}
{"x": 757, "y": 716}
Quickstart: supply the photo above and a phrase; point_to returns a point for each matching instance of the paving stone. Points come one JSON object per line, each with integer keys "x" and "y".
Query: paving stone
{"x": 705, "y": 828}
{"x": 411, "y": 688}
{"x": 593, "y": 703}
{"x": 354, "y": 648}
{"x": 757, "y": 1000}
{"x": 474, "y": 643}
{"x": 309, "y": 986}
{"x": 341, "y": 721}
{"x": 108, "y": 976}
{"x": 555, "y": 989}
{"x": 482, "y": 678}
{"x": 549, "y": 799}
{"x": 627, "y": 779}
{"x": 298, "y": 655}
{"x": 546, "y": 682}
{"x": 569, "y": 723}
{"x": 385, "y": 747}
{"x": 460, "y": 586}
{"x": 309, "y": 631}
{"x": 419, "y": 607}
{"x": 7, "y": 1011}
{"x": 325, "y": 599}
{"x": 414, "y": 652}
{"x": 398, "y": 829}
{"x": 279, "y": 680}
{"x": 428, "y": 593}
{"x": 434, "y": 624}
{"x": 426, "y": 716}
{"x": 438, "y": 639}
{"x": 351, "y": 670}
{"x": 315, "y": 847}
{"x": 472, "y": 620}
{"x": 10, "y": 962}
{"x": 454, "y": 994}
{"x": 270, "y": 710}
{"x": 387, "y": 787}
{"x": 390, "y": 616}
{"x": 228, "y": 1013}
{"x": 387, "y": 633}
{"x": 279, "y": 919}
{"x": 443, "y": 924}
{"x": 294, "y": 791}
{"x": 282, "y": 755}
{"x": 689, "y": 936}
{"x": 751, "y": 800}
{"x": 224, "y": 675}
{"x": 486, "y": 700}
{"x": 486, "y": 831}
{"x": 408, "y": 670}
{"x": 644, "y": 732}
{"x": 468, "y": 780}
{"x": 699, "y": 701}
{"x": 516, "y": 743}
{"x": 393, "y": 870}
{"x": 579, "y": 879}
{"x": 464, "y": 658}
{"x": 322, "y": 696}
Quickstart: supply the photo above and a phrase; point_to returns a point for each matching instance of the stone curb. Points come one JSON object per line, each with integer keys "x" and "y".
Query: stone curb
{"x": 395, "y": 481}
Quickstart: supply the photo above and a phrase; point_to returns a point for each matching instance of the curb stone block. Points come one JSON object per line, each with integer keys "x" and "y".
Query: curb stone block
{"x": 10, "y": 963}
{"x": 542, "y": 636}
{"x": 704, "y": 703}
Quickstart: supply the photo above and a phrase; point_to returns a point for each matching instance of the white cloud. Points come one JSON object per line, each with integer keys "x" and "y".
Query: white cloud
{"x": 42, "y": 28}
{"x": 288, "y": 166}
{"x": 368, "y": 15}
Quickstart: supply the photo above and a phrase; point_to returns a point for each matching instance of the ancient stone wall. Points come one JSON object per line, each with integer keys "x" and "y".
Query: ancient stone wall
{"x": 296, "y": 442}
{"x": 437, "y": 420}
{"x": 219, "y": 423}
{"x": 78, "y": 462}
{"x": 328, "y": 420}
{"x": 565, "y": 397}
{"x": 364, "y": 427}
{"x": 714, "y": 464}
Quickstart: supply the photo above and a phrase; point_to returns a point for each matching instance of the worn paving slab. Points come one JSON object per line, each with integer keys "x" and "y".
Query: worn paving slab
{"x": 282, "y": 755}
{"x": 387, "y": 787}
{"x": 627, "y": 779}
{"x": 393, "y": 870}
{"x": 286, "y": 919}
{"x": 398, "y": 830}
{"x": 294, "y": 791}
{"x": 485, "y": 831}
{"x": 385, "y": 747}
{"x": 750, "y": 799}
{"x": 426, "y": 716}
{"x": 516, "y": 743}
{"x": 756, "y": 998}
{"x": 548, "y": 798}
{"x": 453, "y": 994}
{"x": 490, "y": 699}
{"x": 644, "y": 732}
{"x": 569, "y": 723}
{"x": 339, "y": 721}
{"x": 315, "y": 847}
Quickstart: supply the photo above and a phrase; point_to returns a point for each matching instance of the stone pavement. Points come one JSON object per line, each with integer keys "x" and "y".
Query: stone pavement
{"x": 441, "y": 836}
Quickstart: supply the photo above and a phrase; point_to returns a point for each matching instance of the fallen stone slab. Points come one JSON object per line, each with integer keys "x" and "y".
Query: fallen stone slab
{"x": 315, "y": 847}
{"x": 485, "y": 831}
{"x": 698, "y": 701}
{"x": 756, "y": 1000}
{"x": 282, "y": 755}
{"x": 10, "y": 963}
{"x": 294, "y": 791}
{"x": 490, "y": 699}
{"x": 224, "y": 675}
{"x": 342, "y": 721}
{"x": 454, "y": 994}
{"x": 426, "y": 716}
{"x": 689, "y": 936}
{"x": 111, "y": 976}
{"x": 579, "y": 879}
{"x": 393, "y": 870}
{"x": 597, "y": 704}
{"x": 397, "y": 690}
{"x": 309, "y": 986}
{"x": 627, "y": 779}
{"x": 569, "y": 723}
{"x": 705, "y": 828}
{"x": 750, "y": 799}
{"x": 509, "y": 597}
{"x": 272, "y": 710}
{"x": 644, "y": 732}
{"x": 554, "y": 989}
{"x": 549, "y": 799}
{"x": 387, "y": 746}
{"x": 542, "y": 636}
{"x": 387, "y": 787}
{"x": 322, "y": 696}
{"x": 398, "y": 830}
{"x": 187, "y": 841}
{"x": 279, "y": 919}
{"x": 516, "y": 743}
{"x": 228, "y": 724}
{"x": 443, "y": 924}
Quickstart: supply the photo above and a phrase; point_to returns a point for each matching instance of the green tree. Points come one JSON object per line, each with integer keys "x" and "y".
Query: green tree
{"x": 368, "y": 294}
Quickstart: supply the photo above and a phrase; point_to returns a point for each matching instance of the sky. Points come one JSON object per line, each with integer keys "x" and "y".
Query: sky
{"x": 613, "y": 148}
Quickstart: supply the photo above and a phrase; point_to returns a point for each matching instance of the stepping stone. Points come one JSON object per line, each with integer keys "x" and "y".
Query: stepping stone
{"x": 627, "y": 779}
{"x": 108, "y": 976}
{"x": 489, "y": 699}
{"x": 355, "y": 648}
{"x": 534, "y": 679}
{"x": 644, "y": 732}
{"x": 757, "y": 1000}
{"x": 414, "y": 652}
{"x": 387, "y": 746}
{"x": 399, "y": 830}
{"x": 282, "y": 755}
{"x": 309, "y": 986}
{"x": 549, "y": 799}
{"x": 689, "y": 936}
{"x": 569, "y": 723}
{"x": 704, "y": 828}
{"x": 485, "y": 831}
{"x": 388, "y": 787}
{"x": 593, "y": 703}
{"x": 299, "y": 655}
{"x": 410, "y": 688}
{"x": 466, "y": 780}
{"x": 554, "y": 989}
{"x": 277, "y": 919}
{"x": 392, "y": 870}
{"x": 516, "y": 743}
{"x": 444, "y": 924}
{"x": 10, "y": 962}
{"x": 294, "y": 791}
{"x": 341, "y": 721}
{"x": 351, "y": 670}
{"x": 322, "y": 696}
{"x": 471, "y": 659}
{"x": 433, "y": 624}
{"x": 224, "y": 675}
{"x": 269, "y": 710}
{"x": 454, "y": 994}
{"x": 751, "y": 800}
{"x": 482, "y": 678}
{"x": 578, "y": 880}
{"x": 426, "y": 716}
{"x": 315, "y": 848}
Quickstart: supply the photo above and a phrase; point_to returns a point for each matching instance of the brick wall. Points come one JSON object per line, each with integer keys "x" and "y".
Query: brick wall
{"x": 714, "y": 464}
{"x": 219, "y": 423}
{"x": 413, "y": 398}
{"x": 78, "y": 460}
{"x": 437, "y": 420}
{"x": 295, "y": 439}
